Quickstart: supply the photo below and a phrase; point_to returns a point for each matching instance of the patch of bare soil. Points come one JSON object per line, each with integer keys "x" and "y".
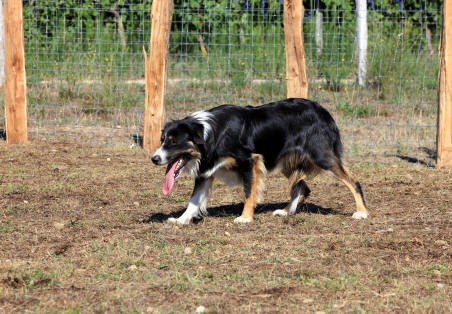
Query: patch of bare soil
{"x": 83, "y": 229}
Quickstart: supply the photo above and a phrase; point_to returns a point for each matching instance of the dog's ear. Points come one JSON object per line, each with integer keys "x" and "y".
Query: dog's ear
{"x": 198, "y": 134}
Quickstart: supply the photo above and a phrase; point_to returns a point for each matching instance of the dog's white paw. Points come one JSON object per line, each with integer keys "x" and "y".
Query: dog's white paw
{"x": 179, "y": 221}
{"x": 241, "y": 220}
{"x": 280, "y": 212}
{"x": 359, "y": 215}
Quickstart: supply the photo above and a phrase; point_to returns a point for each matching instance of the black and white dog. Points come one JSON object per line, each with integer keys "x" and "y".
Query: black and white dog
{"x": 239, "y": 145}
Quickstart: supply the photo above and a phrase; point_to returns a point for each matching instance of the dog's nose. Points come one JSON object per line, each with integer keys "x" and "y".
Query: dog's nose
{"x": 156, "y": 159}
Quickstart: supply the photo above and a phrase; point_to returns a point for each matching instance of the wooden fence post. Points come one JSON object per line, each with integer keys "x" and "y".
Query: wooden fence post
{"x": 444, "y": 133}
{"x": 2, "y": 47}
{"x": 297, "y": 81}
{"x": 155, "y": 72}
{"x": 15, "y": 82}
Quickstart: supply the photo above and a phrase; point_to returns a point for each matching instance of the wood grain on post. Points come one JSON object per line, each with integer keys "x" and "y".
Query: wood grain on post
{"x": 444, "y": 133}
{"x": 2, "y": 48}
{"x": 297, "y": 81}
{"x": 155, "y": 72}
{"x": 15, "y": 82}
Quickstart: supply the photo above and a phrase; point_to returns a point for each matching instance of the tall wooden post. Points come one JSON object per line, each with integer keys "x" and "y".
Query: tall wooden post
{"x": 15, "y": 82}
{"x": 155, "y": 72}
{"x": 2, "y": 47}
{"x": 444, "y": 133}
{"x": 297, "y": 81}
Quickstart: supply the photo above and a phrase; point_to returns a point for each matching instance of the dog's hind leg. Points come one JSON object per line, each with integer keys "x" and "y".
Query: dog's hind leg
{"x": 198, "y": 202}
{"x": 342, "y": 174}
{"x": 299, "y": 191}
{"x": 253, "y": 185}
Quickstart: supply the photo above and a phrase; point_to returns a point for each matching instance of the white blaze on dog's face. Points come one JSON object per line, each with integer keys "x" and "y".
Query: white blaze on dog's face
{"x": 177, "y": 149}
{"x": 161, "y": 155}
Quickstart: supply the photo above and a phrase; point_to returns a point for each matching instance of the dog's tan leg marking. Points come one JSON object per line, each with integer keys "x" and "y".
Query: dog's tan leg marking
{"x": 259, "y": 172}
{"x": 229, "y": 162}
{"x": 354, "y": 186}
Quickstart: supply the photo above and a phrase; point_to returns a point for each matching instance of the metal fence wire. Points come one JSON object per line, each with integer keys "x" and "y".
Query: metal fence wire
{"x": 85, "y": 68}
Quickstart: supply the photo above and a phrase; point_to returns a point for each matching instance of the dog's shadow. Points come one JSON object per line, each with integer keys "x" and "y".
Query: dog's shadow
{"x": 236, "y": 210}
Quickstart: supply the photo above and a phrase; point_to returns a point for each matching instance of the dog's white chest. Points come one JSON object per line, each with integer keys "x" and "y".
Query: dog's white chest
{"x": 225, "y": 172}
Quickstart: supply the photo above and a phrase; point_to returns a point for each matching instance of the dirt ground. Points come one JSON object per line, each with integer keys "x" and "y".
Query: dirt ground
{"x": 82, "y": 229}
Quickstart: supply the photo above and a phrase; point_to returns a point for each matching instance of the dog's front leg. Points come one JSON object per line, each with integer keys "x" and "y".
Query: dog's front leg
{"x": 198, "y": 202}
{"x": 253, "y": 179}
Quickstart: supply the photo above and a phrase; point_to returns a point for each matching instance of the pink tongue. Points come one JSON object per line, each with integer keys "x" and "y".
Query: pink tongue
{"x": 169, "y": 180}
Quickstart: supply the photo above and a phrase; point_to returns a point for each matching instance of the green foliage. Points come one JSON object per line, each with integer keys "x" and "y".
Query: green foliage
{"x": 72, "y": 41}
{"x": 73, "y": 24}
{"x": 38, "y": 278}
{"x": 354, "y": 111}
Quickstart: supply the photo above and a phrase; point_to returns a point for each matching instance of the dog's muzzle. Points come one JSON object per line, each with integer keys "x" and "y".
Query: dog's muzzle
{"x": 156, "y": 159}
{"x": 160, "y": 157}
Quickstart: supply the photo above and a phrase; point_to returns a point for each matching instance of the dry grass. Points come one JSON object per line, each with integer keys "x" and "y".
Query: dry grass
{"x": 109, "y": 111}
{"x": 81, "y": 231}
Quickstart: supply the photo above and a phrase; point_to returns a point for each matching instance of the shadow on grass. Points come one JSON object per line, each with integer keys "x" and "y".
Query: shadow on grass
{"x": 236, "y": 210}
{"x": 431, "y": 154}
{"x": 413, "y": 160}
{"x": 138, "y": 139}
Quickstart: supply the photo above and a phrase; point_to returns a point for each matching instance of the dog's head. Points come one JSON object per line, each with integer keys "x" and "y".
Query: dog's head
{"x": 180, "y": 149}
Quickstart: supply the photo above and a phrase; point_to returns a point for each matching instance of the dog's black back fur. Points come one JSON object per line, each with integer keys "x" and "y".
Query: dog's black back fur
{"x": 274, "y": 130}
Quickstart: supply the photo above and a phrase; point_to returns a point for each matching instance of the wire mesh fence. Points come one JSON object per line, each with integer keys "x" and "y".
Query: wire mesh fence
{"x": 85, "y": 68}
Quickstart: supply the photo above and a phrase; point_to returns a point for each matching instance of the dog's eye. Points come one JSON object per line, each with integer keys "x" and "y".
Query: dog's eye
{"x": 173, "y": 141}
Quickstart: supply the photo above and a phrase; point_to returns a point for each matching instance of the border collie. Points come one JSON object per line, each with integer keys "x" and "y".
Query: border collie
{"x": 238, "y": 145}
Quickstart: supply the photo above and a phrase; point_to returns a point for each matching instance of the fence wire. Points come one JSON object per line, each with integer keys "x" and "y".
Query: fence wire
{"x": 85, "y": 68}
